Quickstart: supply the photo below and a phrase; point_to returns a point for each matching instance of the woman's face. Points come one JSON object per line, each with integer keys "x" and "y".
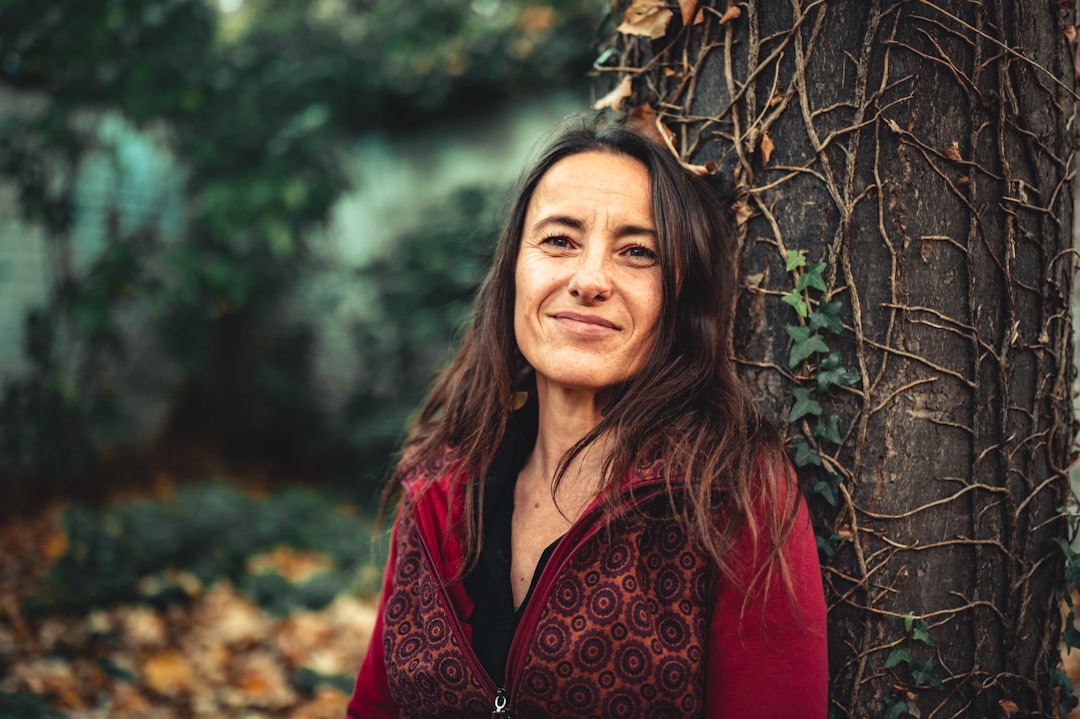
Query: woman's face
{"x": 587, "y": 280}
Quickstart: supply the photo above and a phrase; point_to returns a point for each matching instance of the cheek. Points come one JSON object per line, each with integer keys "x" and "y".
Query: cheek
{"x": 647, "y": 306}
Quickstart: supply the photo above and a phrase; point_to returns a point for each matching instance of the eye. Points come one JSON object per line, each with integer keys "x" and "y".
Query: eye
{"x": 639, "y": 251}
{"x": 561, "y": 241}
{"x": 640, "y": 255}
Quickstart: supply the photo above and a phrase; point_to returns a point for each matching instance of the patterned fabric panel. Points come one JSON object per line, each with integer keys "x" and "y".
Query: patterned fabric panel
{"x": 624, "y": 632}
{"x": 425, "y": 665}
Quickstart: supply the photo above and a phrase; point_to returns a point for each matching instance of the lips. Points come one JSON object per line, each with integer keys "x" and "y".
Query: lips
{"x": 591, "y": 320}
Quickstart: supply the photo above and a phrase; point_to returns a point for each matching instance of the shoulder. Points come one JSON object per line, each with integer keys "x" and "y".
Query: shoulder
{"x": 420, "y": 472}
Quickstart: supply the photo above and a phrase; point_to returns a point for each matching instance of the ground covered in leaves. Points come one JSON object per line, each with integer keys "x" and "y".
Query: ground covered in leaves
{"x": 209, "y": 603}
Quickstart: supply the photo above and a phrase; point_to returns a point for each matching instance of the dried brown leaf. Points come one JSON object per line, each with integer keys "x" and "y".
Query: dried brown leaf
{"x": 1009, "y": 707}
{"x": 647, "y": 18}
{"x": 644, "y": 119}
{"x": 229, "y": 617}
{"x": 263, "y": 681}
{"x": 1070, "y": 33}
{"x": 293, "y": 565}
{"x": 952, "y": 151}
{"x": 53, "y": 676}
{"x": 167, "y": 673}
{"x": 127, "y": 701}
{"x": 732, "y": 13}
{"x": 142, "y": 627}
{"x": 614, "y": 98}
{"x": 689, "y": 10}
{"x": 326, "y": 703}
{"x": 742, "y": 212}
{"x": 300, "y": 635}
{"x": 767, "y": 146}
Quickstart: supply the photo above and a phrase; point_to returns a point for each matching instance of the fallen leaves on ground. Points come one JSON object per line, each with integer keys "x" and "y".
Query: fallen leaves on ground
{"x": 210, "y": 653}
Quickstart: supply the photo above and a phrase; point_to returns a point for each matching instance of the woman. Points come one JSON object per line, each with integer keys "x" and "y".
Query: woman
{"x": 596, "y": 520}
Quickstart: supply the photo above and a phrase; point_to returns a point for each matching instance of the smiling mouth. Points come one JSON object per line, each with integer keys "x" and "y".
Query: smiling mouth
{"x": 592, "y": 320}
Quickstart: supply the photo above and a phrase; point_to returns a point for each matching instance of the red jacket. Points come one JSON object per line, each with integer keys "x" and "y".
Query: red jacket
{"x": 627, "y": 620}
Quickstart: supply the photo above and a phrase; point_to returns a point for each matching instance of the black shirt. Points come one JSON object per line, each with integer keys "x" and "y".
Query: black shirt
{"x": 494, "y": 617}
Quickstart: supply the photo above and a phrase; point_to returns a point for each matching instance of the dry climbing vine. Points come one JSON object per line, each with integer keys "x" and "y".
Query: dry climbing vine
{"x": 901, "y": 176}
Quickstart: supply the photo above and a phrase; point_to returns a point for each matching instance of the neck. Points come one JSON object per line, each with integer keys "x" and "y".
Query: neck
{"x": 564, "y": 417}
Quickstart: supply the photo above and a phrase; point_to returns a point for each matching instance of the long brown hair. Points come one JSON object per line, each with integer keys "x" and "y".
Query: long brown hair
{"x": 723, "y": 461}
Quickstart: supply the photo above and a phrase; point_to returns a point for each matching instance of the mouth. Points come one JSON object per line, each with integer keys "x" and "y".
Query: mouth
{"x": 592, "y": 320}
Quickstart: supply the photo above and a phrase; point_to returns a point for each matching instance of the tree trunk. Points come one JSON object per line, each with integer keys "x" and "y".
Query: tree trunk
{"x": 922, "y": 150}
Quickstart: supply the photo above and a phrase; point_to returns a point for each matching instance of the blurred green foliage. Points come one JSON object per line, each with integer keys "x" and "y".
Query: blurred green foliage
{"x": 24, "y": 705}
{"x": 257, "y": 107}
{"x": 422, "y": 292}
{"x": 123, "y": 553}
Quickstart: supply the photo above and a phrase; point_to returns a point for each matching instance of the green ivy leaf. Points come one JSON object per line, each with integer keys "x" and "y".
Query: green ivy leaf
{"x": 1060, "y": 681}
{"x": 827, "y": 545}
{"x": 812, "y": 277}
{"x": 805, "y": 455}
{"x": 804, "y": 343}
{"x": 920, "y": 632}
{"x": 794, "y": 259}
{"x": 804, "y": 405}
{"x": 899, "y": 654}
{"x": 1072, "y": 567}
{"x": 833, "y": 373}
{"x": 909, "y": 620}
{"x": 925, "y": 676}
{"x": 795, "y": 299}
{"x": 829, "y": 429}
{"x": 896, "y": 708}
{"x": 1071, "y": 635}
{"x": 828, "y": 489}
{"x": 827, "y": 316}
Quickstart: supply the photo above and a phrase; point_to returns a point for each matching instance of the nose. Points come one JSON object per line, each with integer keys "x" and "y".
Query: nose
{"x": 590, "y": 282}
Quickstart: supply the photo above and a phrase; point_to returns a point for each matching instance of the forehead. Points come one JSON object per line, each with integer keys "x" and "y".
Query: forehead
{"x": 590, "y": 179}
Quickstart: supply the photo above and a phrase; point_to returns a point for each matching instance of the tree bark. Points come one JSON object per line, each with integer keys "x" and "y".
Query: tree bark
{"x": 923, "y": 150}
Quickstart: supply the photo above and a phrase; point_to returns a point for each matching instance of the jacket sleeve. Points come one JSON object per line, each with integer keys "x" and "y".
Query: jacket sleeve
{"x": 767, "y": 656}
{"x": 371, "y": 695}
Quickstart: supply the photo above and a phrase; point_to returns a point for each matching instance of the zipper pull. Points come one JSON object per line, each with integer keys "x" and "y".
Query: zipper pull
{"x": 500, "y": 705}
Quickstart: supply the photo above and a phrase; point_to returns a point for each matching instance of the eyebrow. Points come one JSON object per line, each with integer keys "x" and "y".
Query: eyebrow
{"x": 576, "y": 224}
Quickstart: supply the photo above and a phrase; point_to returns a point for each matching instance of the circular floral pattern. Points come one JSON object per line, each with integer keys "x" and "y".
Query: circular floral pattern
{"x": 593, "y": 649}
{"x": 427, "y": 594}
{"x": 552, "y": 639}
{"x": 579, "y": 695}
{"x": 673, "y": 672}
{"x": 568, "y": 593}
{"x": 538, "y": 683}
{"x": 669, "y": 585}
{"x": 615, "y": 559}
{"x": 622, "y": 705}
{"x": 437, "y": 631}
{"x": 633, "y": 660}
{"x": 451, "y": 671}
{"x": 605, "y": 603}
{"x": 673, "y": 631}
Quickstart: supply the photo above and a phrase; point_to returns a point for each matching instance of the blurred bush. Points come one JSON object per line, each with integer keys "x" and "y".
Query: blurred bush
{"x": 256, "y": 107}
{"x": 144, "y": 551}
